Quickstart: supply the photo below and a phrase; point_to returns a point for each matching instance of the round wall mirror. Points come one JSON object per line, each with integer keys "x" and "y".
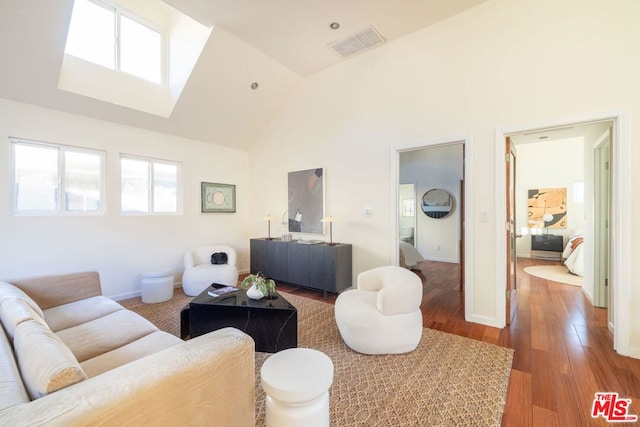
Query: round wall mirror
{"x": 437, "y": 203}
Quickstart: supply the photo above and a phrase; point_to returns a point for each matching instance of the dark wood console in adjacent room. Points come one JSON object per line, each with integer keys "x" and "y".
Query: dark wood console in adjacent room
{"x": 546, "y": 246}
{"x": 318, "y": 266}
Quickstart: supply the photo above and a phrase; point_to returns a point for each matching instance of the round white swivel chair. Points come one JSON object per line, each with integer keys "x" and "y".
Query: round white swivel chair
{"x": 199, "y": 273}
{"x": 382, "y": 315}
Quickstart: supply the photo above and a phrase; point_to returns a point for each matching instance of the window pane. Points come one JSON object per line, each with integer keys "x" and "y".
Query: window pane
{"x": 82, "y": 181}
{"x": 92, "y": 33}
{"x": 140, "y": 50}
{"x": 36, "y": 178}
{"x": 165, "y": 188}
{"x": 134, "y": 181}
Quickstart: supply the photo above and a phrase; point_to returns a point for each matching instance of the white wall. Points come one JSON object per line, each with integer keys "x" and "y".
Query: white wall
{"x": 118, "y": 247}
{"x": 549, "y": 164}
{"x": 429, "y": 168}
{"x": 503, "y": 63}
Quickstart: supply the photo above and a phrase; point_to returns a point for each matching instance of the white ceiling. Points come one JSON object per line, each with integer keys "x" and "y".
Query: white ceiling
{"x": 576, "y": 130}
{"x": 296, "y": 32}
{"x": 276, "y": 43}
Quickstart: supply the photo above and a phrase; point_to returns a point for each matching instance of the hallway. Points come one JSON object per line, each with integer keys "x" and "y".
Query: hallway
{"x": 563, "y": 349}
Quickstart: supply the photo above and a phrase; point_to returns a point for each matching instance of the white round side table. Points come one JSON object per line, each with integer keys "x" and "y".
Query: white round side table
{"x": 157, "y": 286}
{"x": 297, "y": 382}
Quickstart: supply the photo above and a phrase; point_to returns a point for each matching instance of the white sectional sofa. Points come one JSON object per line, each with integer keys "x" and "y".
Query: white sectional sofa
{"x": 72, "y": 357}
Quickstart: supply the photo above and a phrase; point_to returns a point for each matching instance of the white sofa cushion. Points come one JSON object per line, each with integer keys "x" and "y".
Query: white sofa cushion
{"x": 46, "y": 364}
{"x": 142, "y": 347}
{"x": 15, "y": 311}
{"x": 9, "y": 290}
{"x": 12, "y": 391}
{"x": 74, "y": 313}
{"x": 104, "y": 334}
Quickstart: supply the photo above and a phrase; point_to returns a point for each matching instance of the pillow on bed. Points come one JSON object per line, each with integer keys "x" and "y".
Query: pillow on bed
{"x": 576, "y": 242}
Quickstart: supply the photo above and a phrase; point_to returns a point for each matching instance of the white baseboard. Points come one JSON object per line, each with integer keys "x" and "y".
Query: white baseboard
{"x": 484, "y": 320}
{"x": 589, "y": 297}
{"x": 137, "y": 293}
{"x": 128, "y": 295}
{"x": 449, "y": 260}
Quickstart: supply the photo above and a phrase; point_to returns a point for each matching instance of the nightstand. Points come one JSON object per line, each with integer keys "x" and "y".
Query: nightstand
{"x": 547, "y": 246}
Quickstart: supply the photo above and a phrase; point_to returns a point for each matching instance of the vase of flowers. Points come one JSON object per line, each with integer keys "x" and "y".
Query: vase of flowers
{"x": 259, "y": 286}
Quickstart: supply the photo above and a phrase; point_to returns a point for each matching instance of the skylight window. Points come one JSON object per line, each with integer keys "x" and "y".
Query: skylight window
{"x": 140, "y": 50}
{"x": 140, "y": 57}
{"x": 91, "y": 34}
{"x": 106, "y": 36}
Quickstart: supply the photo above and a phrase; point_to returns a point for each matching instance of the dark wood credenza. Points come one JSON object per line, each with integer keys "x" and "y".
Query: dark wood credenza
{"x": 321, "y": 266}
{"x": 547, "y": 246}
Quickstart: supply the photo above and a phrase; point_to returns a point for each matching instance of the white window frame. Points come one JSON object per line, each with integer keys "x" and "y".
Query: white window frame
{"x": 164, "y": 51}
{"x": 60, "y": 203}
{"x": 150, "y": 191}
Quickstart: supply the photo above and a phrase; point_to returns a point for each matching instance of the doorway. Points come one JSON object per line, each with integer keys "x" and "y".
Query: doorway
{"x": 426, "y": 226}
{"x": 570, "y": 163}
{"x": 619, "y": 274}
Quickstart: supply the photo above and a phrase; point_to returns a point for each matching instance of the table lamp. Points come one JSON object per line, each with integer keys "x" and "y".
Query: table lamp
{"x": 330, "y": 219}
{"x": 268, "y": 218}
{"x": 547, "y": 218}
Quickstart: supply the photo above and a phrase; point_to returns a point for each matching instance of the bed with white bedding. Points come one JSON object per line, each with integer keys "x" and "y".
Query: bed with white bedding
{"x": 409, "y": 256}
{"x": 573, "y": 254}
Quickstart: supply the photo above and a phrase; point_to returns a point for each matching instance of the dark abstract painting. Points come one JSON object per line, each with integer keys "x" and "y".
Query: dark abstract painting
{"x": 306, "y": 201}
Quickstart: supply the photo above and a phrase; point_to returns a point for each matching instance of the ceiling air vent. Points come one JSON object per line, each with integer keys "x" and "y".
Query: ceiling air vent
{"x": 358, "y": 42}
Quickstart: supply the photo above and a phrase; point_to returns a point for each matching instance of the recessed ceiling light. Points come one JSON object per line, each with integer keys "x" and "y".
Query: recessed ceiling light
{"x": 254, "y": 85}
{"x": 334, "y": 25}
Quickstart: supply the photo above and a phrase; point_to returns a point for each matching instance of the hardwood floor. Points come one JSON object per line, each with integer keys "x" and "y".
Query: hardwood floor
{"x": 563, "y": 348}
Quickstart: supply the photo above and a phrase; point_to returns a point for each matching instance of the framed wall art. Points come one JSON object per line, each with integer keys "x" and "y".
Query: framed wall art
{"x": 218, "y": 198}
{"x": 549, "y": 201}
{"x": 306, "y": 201}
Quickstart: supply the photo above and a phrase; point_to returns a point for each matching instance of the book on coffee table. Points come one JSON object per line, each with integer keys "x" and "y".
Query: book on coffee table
{"x": 218, "y": 292}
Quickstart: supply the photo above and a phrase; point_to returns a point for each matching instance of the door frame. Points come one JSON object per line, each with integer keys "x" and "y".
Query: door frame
{"x": 511, "y": 286}
{"x": 620, "y": 216}
{"x": 466, "y": 141}
{"x": 601, "y": 210}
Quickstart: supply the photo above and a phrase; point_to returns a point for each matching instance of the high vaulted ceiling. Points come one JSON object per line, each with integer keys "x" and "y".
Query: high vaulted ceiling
{"x": 276, "y": 43}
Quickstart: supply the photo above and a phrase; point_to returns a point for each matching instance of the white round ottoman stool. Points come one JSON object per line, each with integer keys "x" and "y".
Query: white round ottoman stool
{"x": 157, "y": 286}
{"x": 297, "y": 382}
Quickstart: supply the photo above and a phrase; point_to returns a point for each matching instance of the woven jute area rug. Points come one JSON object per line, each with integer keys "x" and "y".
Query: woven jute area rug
{"x": 447, "y": 381}
{"x": 555, "y": 273}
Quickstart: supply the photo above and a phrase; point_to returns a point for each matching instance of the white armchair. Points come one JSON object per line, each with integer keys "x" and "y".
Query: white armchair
{"x": 382, "y": 315}
{"x": 200, "y": 273}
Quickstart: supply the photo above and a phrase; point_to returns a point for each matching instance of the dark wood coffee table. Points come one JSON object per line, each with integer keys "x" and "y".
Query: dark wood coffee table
{"x": 272, "y": 323}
